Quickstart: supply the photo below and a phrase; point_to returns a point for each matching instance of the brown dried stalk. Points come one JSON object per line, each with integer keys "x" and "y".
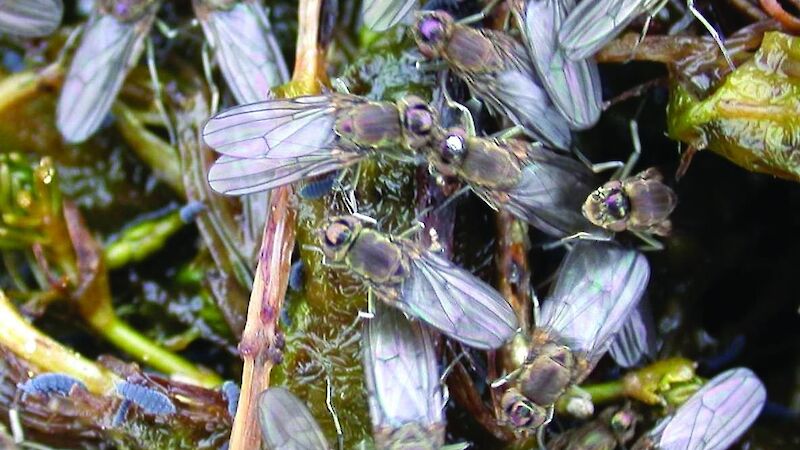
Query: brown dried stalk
{"x": 272, "y": 273}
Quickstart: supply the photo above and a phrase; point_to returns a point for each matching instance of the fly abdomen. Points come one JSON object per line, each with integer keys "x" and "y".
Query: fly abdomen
{"x": 490, "y": 166}
{"x": 371, "y": 125}
{"x": 470, "y": 50}
{"x": 651, "y": 204}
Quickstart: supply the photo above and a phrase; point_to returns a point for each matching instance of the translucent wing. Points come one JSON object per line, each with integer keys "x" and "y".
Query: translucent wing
{"x": 574, "y": 86}
{"x": 636, "y": 339}
{"x": 715, "y": 416}
{"x": 598, "y": 286}
{"x": 30, "y": 18}
{"x": 108, "y": 50}
{"x": 550, "y": 193}
{"x": 286, "y": 423}
{"x": 380, "y": 15}
{"x": 246, "y": 50}
{"x": 595, "y": 22}
{"x": 456, "y": 302}
{"x": 239, "y": 176}
{"x": 402, "y": 378}
{"x": 274, "y": 129}
{"x": 518, "y": 95}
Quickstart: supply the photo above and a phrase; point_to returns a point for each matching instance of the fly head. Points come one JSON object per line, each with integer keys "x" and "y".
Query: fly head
{"x": 521, "y": 412}
{"x": 419, "y": 121}
{"x": 432, "y": 31}
{"x": 338, "y": 235}
{"x": 608, "y": 206}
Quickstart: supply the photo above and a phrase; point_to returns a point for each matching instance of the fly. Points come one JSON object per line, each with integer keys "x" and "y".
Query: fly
{"x": 599, "y": 284}
{"x": 573, "y": 86}
{"x": 110, "y": 47}
{"x": 402, "y": 378}
{"x": 277, "y": 142}
{"x": 498, "y": 70}
{"x": 640, "y": 204}
{"x": 713, "y": 418}
{"x": 612, "y": 429}
{"x": 536, "y": 185}
{"x": 248, "y": 54}
{"x": 286, "y": 423}
{"x": 420, "y": 283}
{"x": 30, "y": 18}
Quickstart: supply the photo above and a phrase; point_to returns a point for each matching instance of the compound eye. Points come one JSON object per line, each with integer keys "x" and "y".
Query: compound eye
{"x": 338, "y": 234}
{"x": 617, "y": 205}
{"x": 431, "y": 30}
{"x": 453, "y": 148}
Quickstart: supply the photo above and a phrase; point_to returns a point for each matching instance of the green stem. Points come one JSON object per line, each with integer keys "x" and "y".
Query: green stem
{"x": 139, "y": 241}
{"x": 140, "y": 347}
{"x": 160, "y": 156}
{"x": 605, "y": 392}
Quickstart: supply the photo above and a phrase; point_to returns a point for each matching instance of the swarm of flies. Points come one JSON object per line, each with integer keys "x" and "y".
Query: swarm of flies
{"x": 529, "y": 66}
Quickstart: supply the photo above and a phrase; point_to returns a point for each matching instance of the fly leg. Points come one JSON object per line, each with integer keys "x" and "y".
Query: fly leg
{"x": 626, "y": 170}
{"x": 157, "y": 93}
{"x": 651, "y": 243}
{"x": 712, "y": 31}
{"x": 332, "y": 410}
{"x": 479, "y": 15}
{"x": 580, "y": 235}
{"x": 509, "y": 133}
{"x": 596, "y": 167}
{"x": 646, "y": 27}
{"x": 207, "y": 73}
{"x": 444, "y": 204}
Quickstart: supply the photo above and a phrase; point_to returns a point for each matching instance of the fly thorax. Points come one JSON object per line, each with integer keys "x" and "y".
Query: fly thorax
{"x": 520, "y": 412}
{"x": 608, "y": 207}
{"x": 126, "y": 10}
{"x": 418, "y": 120}
{"x": 377, "y": 259}
{"x": 490, "y": 165}
{"x": 337, "y": 236}
{"x": 431, "y": 32}
{"x": 651, "y": 201}
{"x": 370, "y": 125}
{"x": 548, "y": 374}
{"x": 469, "y": 50}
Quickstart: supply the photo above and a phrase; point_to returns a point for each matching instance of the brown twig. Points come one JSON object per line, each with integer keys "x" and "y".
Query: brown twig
{"x": 749, "y": 9}
{"x": 512, "y": 266}
{"x": 774, "y": 9}
{"x": 272, "y": 273}
{"x": 266, "y": 300}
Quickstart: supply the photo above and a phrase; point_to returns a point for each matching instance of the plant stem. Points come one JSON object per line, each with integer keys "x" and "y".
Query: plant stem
{"x": 140, "y": 347}
{"x": 40, "y": 350}
{"x": 93, "y": 297}
{"x": 157, "y": 154}
{"x": 272, "y": 273}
